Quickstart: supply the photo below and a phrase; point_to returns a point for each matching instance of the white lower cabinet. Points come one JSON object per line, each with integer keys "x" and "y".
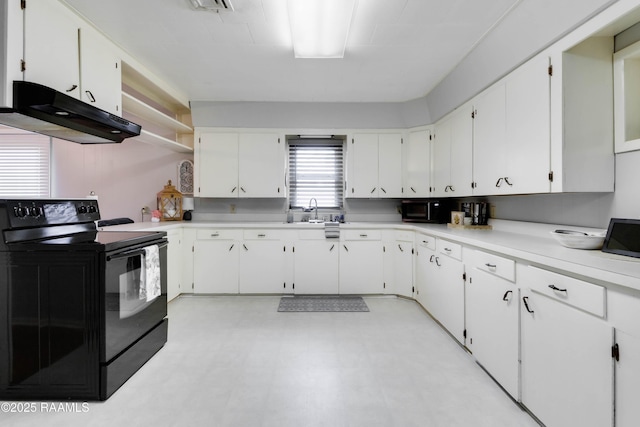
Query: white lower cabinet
{"x": 567, "y": 368}
{"x": 174, "y": 263}
{"x": 315, "y": 261}
{"x": 262, "y": 263}
{"x": 216, "y": 261}
{"x": 492, "y": 307}
{"x": 361, "y": 262}
{"x": 425, "y": 265}
{"x": 627, "y": 379}
{"x": 398, "y": 264}
{"x": 444, "y": 288}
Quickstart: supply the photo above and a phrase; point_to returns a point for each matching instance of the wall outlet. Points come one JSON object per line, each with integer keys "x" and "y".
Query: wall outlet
{"x": 492, "y": 211}
{"x": 232, "y": 208}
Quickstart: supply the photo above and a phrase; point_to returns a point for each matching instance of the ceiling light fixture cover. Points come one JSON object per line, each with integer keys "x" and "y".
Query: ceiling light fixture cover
{"x": 211, "y": 5}
{"x": 319, "y": 28}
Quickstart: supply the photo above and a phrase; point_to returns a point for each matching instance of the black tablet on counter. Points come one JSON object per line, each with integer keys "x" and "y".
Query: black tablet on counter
{"x": 623, "y": 237}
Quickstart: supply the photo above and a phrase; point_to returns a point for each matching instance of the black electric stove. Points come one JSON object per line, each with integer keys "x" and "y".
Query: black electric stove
{"x": 81, "y": 310}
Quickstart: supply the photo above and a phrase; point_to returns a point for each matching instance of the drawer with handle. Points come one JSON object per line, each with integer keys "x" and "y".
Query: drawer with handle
{"x": 575, "y": 292}
{"x": 425, "y": 241}
{"x": 494, "y": 264}
{"x": 445, "y": 247}
{"x": 213, "y": 234}
{"x": 261, "y": 235}
{"x": 362, "y": 235}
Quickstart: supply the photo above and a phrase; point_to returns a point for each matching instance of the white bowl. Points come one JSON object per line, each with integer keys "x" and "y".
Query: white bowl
{"x": 579, "y": 239}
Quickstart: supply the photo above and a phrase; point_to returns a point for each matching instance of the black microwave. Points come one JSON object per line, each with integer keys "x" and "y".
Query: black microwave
{"x": 434, "y": 211}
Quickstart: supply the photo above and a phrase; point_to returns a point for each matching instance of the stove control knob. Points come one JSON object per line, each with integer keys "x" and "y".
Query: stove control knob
{"x": 92, "y": 209}
{"x": 20, "y": 211}
{"x": 34, "y": 211}
{"x": 82, "y": 209}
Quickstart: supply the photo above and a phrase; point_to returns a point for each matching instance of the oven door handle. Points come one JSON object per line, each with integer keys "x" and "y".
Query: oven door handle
{"x": 134, "y": 252}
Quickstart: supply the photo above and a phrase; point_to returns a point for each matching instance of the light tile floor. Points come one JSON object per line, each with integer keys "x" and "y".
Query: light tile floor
{"x": 236, "y": 361}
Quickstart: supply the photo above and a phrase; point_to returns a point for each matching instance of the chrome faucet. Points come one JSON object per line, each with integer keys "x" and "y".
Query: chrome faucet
{"x": 313, "y": 199}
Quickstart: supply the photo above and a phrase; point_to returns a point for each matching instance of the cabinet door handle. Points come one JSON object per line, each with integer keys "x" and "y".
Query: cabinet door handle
{"x": 448, "y": 188}
{"x": 242, "y": 189}
{"x": 345, "y": 248}
{"x": 90, "y": 96}
{"x": 331, "y": 248}
{"x": 431, "y": 258}
{"x": 438, "y": 261}
{"x": 72, "y": 88}
{"x": 363, "y": 236}
{"x": 262, "y": 235}
{"x": 400, "y": 247}
{"x": 506, "y": 294}
{"x": 215, "y": 235}
{"x": 231, "y": 247}
{"x": 383, "y": 190}
{"x": 506, "y": 179}
{"x": 525, "y": 300}
{"x": 412, "y": 189}
{"x": 374, "y": 189}
{"x": 233, "y": 190}
{"x": 499, "y": 182}
{"x": 447, "y": 250}
{"x": 426, "y": 242}
{"x": 557, "y": 289}
{"x": 245, "y": 247}
{"x": 491, "y": 266}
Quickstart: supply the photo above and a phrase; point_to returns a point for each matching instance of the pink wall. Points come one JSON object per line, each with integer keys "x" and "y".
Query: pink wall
{"x": 126, "y": 177}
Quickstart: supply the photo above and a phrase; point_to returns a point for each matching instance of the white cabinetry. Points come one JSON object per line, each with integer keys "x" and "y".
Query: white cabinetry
{"x": 375, "y": 166}
{"x": 627, "y": 379}
{"x": 174, "y": 263}
{"x": 315, "y": 261}
{"x": 262, "y": 263}
{"x": 425, "y": 266}
{"x": 567, "y": 369}
{"x": 492, "y": 313}
{"x": 216, "y": 261}
{"x": 444, "y": 287}
{"x": 416, "y": 164}
{"x": 398, "y": 263}
{"x": 489, "y": 141}
{"x": 528, "y": 126}
{"x": 51, "y": 46}
{"x": 100, "y": 76}
{"x": 361, "y": 268}
{"x": 453, "y": 154}
{"x": 240, "y": 165}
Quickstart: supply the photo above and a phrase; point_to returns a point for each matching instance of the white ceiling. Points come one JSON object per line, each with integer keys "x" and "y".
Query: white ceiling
{"x": 397, "y": 50}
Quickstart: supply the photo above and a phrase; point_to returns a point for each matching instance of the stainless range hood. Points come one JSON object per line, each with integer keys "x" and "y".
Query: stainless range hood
{"x": 40, "y": 109}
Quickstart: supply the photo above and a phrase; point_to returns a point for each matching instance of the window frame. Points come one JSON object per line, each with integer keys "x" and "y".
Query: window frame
{"x": 300, "y": 191}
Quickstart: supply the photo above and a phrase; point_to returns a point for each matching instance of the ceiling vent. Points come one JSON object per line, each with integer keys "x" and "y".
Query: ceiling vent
{"x": 212, "y": 5}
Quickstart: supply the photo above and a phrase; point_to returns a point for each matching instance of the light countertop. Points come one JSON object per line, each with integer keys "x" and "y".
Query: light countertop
{"x": 530, "y": 243}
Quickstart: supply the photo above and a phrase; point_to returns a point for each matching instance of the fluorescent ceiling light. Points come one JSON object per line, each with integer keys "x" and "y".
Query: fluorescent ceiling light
{"x": 319, "y": 28}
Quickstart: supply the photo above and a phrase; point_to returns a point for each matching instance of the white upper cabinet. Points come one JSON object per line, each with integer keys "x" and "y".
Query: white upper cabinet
{"x": 51, "y": 46}
{"x": 528, "y": 128}
{"x": 240, "y": 165}
{"x": 390, "y": 165}
{"x": 216, "y": 165}
{"x": 416, "y": 164}
{"x": 261, "y": 165}
{"x": 362, "y": 170}
{"x": 453, "y": 155}
{"x": 100, "y": 76}
{"x": 626, "y": 67}
{"x": 489, "y": 142}
{"x": 375, "y": 166}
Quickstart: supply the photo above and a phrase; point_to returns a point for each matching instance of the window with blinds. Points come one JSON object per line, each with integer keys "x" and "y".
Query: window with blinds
{"x": 24, "y": 165}
{"x": 316, "y": 170}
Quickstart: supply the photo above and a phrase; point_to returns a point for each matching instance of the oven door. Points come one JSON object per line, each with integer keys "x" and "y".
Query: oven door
{"x": 130, "y": 309}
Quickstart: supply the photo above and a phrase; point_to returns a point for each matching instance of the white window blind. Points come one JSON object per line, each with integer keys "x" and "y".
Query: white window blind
{"x": 24, "y": 165}
{"x": 316, "y": 170}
